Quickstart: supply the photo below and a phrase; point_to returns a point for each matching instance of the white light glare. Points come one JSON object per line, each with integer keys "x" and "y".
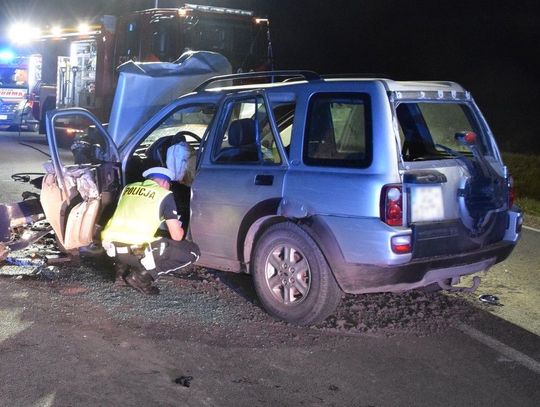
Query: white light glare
{"x": 22, "y": 33}
{"x": 56, "y": 31}
{"x": 84, "y": 28}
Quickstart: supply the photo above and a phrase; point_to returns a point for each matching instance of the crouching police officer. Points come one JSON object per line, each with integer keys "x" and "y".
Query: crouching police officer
{"x": 145, "y": 233}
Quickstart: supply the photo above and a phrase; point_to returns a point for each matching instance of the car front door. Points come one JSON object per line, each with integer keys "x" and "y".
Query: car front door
{"x": 82, "y": 178}
{"x": 239, "y": 180}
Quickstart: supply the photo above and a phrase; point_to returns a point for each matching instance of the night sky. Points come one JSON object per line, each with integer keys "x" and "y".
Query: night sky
{"x": 491, "y": 47}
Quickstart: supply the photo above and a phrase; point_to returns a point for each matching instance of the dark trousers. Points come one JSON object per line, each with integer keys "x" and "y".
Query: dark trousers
{"x": 170, "y": 256}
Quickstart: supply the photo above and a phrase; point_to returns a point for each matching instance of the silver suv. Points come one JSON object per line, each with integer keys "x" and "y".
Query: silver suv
{"x": 314, "y": 186}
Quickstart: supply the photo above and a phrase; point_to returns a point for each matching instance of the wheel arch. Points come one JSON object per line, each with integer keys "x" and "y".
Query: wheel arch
{"x": 322, "y": 234}
{"x": 266, "y": 213}
{"x": 257, "y": 220}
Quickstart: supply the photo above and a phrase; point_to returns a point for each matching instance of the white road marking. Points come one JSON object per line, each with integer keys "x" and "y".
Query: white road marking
{"x": 530, "y": 228}
{"x": 500, "y": 347}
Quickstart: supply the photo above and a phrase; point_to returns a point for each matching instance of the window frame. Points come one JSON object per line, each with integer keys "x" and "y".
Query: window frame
{"x": 225, "y": 121}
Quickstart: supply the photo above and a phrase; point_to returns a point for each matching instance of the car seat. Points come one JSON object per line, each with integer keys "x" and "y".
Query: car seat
{"x": 243, "y": 142}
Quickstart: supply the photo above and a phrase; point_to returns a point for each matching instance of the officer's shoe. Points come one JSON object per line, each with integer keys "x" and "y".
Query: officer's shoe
{"x": 121, "y": 271}
{"x": 142, "y": 281}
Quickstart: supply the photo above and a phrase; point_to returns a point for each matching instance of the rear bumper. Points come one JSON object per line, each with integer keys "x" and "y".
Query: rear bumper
{"x": 362, "y": 261}
{"x": 362, "y": 278}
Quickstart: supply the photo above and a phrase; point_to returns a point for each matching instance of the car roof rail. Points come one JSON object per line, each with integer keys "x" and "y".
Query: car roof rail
{"x": 370, "y": 75}
{"x": 305, "y": 75}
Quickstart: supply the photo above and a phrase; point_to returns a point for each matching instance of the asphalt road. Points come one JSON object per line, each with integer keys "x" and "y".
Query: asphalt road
{"x": 60, "y": 349}
{"x": 20, "y": 153}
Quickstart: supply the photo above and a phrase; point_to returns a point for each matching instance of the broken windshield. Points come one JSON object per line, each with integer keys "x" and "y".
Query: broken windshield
{"x": 428, "y": 130}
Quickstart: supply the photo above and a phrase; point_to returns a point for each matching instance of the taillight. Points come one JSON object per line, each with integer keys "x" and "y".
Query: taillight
{"x": 511, "y": 192}
{"x": 392, "y": 205}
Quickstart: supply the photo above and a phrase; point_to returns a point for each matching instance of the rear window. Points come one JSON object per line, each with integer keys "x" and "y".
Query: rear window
{"x": 428, "y": 130}
{"x": 338, "y": 131}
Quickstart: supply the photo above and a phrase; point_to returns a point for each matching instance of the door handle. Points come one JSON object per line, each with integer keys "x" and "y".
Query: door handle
{"x": 261, "y": 179}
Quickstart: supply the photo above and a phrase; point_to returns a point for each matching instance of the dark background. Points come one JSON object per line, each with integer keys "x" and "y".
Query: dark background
{"x": 490, "y": 47}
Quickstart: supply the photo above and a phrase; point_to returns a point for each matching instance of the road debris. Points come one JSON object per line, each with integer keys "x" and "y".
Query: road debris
{"x": 36, "y": 259}
{"x": 490, "y": 299}
{"x": 184, "y": 380}
{"x": 47, "y": 272}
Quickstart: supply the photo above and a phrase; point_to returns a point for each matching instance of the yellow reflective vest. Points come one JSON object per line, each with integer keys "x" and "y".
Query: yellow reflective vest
{"x": 136, "y": 218}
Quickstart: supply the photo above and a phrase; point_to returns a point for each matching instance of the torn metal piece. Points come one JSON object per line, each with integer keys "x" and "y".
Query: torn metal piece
{"x": 27, "y": 238}
{"x": 18, "y": 215}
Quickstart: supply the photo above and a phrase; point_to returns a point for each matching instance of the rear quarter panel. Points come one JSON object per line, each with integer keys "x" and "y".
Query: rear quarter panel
{"x": 348, "y": 198}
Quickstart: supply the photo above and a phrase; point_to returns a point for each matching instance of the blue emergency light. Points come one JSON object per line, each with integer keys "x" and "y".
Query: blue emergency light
{"x": 6, "y": 55}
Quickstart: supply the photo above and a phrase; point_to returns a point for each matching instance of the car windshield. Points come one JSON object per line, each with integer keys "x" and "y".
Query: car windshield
{"x": 194, "y": 119}
{"x": 431, "y": 130}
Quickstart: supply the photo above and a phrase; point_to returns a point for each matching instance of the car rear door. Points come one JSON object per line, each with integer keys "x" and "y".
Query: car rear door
{"x": 82, "y": 179}
{"x": 454, "y": 177}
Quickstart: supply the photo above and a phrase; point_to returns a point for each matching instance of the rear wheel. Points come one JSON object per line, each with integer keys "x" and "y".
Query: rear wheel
{"x": 291, "y": 276}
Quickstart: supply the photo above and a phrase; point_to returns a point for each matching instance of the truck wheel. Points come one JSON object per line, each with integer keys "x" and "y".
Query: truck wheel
{"x": 292, "y": 278}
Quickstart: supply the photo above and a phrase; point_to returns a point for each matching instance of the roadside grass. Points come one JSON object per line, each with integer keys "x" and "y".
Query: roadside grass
{"x": 525, "y": 169}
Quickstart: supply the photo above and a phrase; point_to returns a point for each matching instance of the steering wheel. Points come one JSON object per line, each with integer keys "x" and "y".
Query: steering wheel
{"x": 158, "y": 149}
{"x": 187, "y": 133}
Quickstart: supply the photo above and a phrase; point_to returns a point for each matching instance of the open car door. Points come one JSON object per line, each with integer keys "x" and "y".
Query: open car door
{"x": 82, "y": 179}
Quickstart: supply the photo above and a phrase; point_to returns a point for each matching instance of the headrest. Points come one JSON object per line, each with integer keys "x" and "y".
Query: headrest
{"x": 242, "y": 132}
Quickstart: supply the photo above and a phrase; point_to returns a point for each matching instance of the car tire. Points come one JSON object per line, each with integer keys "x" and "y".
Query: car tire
{"x": 291, "y": 276}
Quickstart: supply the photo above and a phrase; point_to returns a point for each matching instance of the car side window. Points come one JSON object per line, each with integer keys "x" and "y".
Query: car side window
{"x": 247, "y": 135}
{"x": 338, "y": 130}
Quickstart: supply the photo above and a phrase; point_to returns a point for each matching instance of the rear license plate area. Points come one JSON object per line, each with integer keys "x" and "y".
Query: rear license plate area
{"x": 426, "y": 203}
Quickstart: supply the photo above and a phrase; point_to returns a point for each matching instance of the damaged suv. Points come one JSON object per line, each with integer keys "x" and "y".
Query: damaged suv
{"x": 315, "y": 186}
